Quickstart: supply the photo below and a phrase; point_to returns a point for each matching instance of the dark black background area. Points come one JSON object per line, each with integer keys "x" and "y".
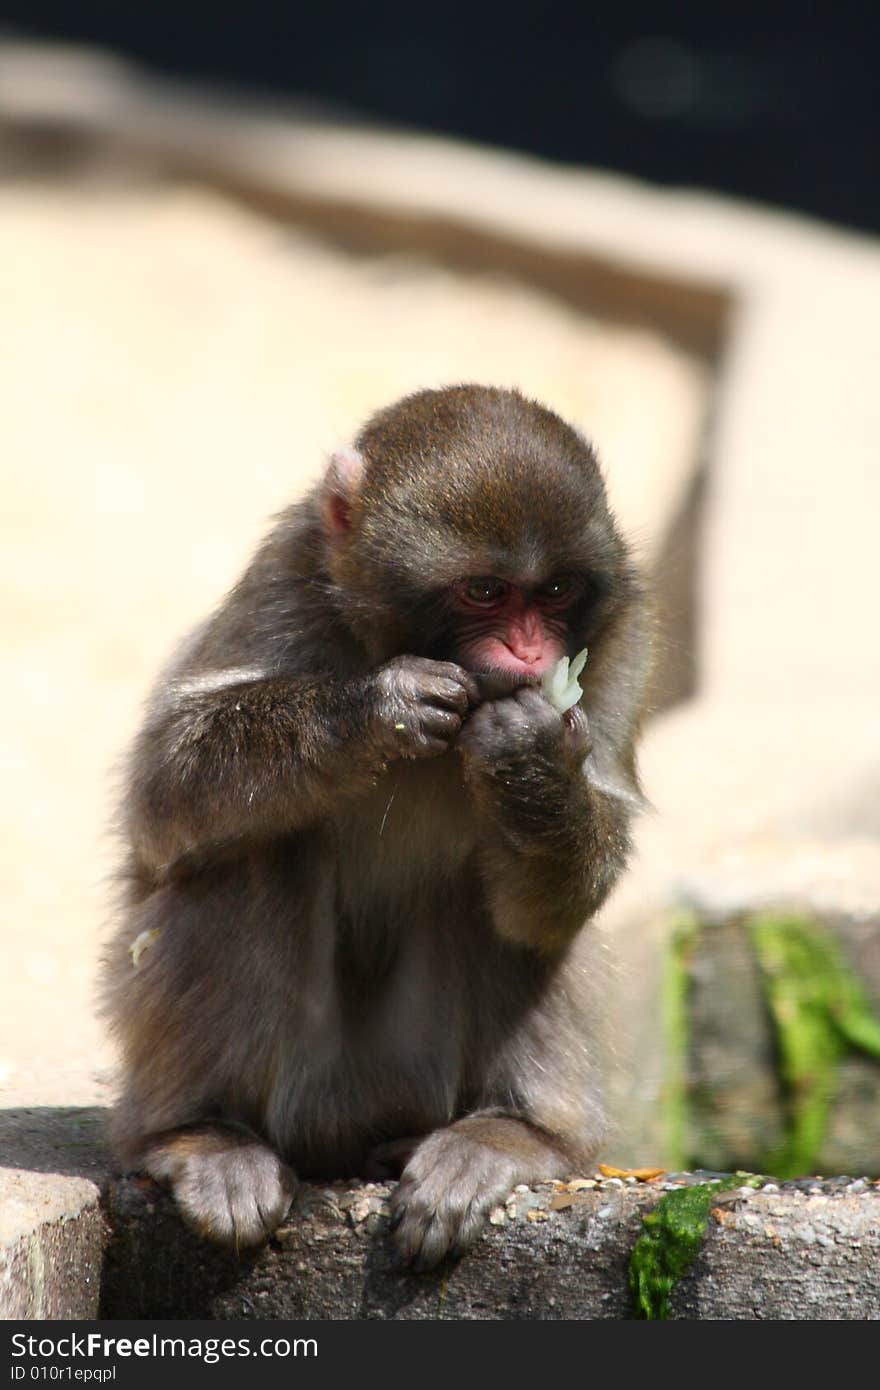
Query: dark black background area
{"x": 778, "y": 102}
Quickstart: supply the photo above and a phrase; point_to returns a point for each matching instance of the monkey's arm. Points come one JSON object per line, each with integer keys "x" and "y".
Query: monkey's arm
{"x": 556, "y": 841}
{"x": 222, "y": 762}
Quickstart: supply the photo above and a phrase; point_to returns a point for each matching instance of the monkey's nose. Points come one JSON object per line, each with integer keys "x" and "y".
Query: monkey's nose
{"x": 525, "y": 639}
{"x": 530, "y": 660}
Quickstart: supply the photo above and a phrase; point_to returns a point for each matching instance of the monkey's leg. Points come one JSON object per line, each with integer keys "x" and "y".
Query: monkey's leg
{"x": 458, "y": 1174}
{"x": 230, "y": 1185}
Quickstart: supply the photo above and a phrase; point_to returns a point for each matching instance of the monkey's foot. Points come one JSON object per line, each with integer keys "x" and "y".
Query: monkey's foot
{"x": 454, "y": 1179}
{"x": 229, "y": 1185}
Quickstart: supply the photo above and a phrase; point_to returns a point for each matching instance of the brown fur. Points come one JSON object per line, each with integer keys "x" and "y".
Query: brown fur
{"x": 367, "y": 882}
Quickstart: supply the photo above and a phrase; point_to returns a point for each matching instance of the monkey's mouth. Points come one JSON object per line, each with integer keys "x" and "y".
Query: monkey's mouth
{"x": 496, "y": 681}
{"x": 502, "y": 659}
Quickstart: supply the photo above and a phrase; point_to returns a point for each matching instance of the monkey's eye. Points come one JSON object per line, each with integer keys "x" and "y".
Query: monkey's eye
{"x": 484, "y": 591}
{"x": 562, "y": 589}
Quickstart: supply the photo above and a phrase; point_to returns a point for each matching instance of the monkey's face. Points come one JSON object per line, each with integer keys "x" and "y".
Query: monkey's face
{"x": 495, "y": 624}
{"x": 488, "y": 606}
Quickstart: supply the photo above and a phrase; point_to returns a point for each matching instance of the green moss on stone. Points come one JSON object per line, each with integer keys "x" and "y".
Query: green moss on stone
{"x": 671, "y": 1237}
{"x": 819, "y": 1010}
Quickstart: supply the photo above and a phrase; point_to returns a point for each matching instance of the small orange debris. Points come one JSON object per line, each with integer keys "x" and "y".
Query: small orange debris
{"x": 640, "y": 1174}
{"x": 723, "y": 1217}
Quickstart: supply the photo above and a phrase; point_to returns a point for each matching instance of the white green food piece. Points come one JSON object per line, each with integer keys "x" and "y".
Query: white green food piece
{"x": 560, "y": 683}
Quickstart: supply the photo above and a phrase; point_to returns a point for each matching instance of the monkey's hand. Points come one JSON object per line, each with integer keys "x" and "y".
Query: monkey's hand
{"x": 523, "y": 735}
{"x": 419, "y": 706}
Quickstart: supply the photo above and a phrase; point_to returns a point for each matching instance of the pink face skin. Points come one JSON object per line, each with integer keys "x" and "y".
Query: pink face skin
{"x": 504, "y": 627}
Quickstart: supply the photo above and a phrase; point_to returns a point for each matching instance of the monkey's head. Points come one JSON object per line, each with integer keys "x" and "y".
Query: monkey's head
{"x": 470, "y": 524}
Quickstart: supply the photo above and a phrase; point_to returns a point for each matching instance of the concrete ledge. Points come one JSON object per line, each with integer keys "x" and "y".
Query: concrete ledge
{"x": 52, "y": 1230}
{"x": 51, "y": 1246}
{"x": 786, "y": 1252}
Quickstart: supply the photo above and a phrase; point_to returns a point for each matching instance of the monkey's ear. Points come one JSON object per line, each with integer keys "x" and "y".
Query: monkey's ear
{"x": 340, "y": 488}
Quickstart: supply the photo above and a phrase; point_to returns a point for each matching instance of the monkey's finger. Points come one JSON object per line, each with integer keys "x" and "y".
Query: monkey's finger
{"x": 442, "y": 723}
{"x": 467, "y": 680}
{"x": 449, "y": 671}
{"x": 534, "y": 701}
{"x": 576, "y": 719}
{"x": 509, "y": 716}
{"x": 412, "y": 1248}
{"x": 578, "y": 735}
{"x": 436, "y": 1246}
{"x": 470, "y": 684}
{"x": 533, "y": 707}
{"x": 433, "y": 1221}
{"x": 479, "y": 727}
{"x": 448, "y": 692}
